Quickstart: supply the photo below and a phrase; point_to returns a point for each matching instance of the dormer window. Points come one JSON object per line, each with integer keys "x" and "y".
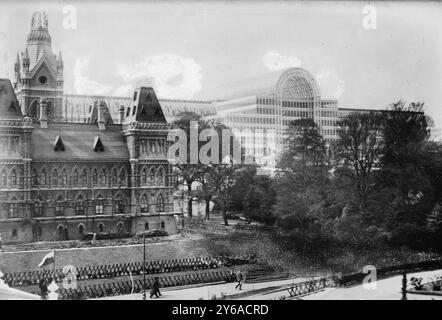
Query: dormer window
{"x": 134, "y": 109}
{"x": 58, "y": 144}
{"x": 43, "y": 80}
{"x": 128, "y": 112}
{"x": 98, "y": 145}
{"x": 135, "y": 95}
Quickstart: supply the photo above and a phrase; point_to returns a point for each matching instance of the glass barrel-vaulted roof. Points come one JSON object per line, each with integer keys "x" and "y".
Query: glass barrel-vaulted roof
{"x": 297, "y": 84}
{"x": 293, "y": 83}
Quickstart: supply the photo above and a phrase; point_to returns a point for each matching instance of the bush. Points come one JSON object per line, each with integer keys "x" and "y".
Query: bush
{"x": 151, "y": 233}
{"x": 414, "y": 236}
{"x": 106, "y": 236}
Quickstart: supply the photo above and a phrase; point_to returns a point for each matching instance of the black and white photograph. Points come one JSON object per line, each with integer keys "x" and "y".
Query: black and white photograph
{"x": 224, "y": 150}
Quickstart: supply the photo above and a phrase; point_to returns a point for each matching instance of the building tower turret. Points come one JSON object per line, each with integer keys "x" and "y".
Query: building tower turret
{"x": 42, "y": 73}
{"x": 16, "y": 71}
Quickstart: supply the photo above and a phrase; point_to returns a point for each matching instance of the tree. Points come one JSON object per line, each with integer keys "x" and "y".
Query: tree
{"x": 304, "y": 178}
{"x": 303, "y": 145}
{"x": 187, "y": 172}
{"x": 410, "y": 169}
{"x": 221, "y": 178}
{"x": 360, "y": 146}
{"x": 253, "y": 194}
{"x": 405, "y": 136}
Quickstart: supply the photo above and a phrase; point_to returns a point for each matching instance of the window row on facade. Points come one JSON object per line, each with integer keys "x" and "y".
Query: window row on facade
{"x": 63, "y": 232}
{"x": 81, "y": 177}
{"x": 83, "y": 206}
{"x": 152, "y": 147}
{"x": 10, "y": 177}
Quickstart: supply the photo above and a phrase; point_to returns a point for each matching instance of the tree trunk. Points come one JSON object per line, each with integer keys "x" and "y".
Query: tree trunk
{"x": 224, "y": 209}
{"x": 190, "y": 200}
{"x": 189, "y": 207}
{"x": 208, "y": 207}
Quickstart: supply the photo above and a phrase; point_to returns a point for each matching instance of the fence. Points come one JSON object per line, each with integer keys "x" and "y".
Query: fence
{"x": 358, "y": 277}
{"x": 302, "y": 288}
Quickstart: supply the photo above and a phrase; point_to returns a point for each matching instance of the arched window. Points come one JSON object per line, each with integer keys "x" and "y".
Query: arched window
{"x": 49, "y": 110}
{"x": 119, "y": 206}
{"x": 34, "y": 110}
{"x": 75, "y": 178}
{"x": 99, "y": 205}
{"x": 43, "y": 177}
{"x": 80, "y": 228}
{"x": 34, "y": 177}
{"x": 13, "y": 208}
{"x": 144, "y": 205}
{"x": 101, "y": 227}
{"x": 152, "y": 176}
{"x": 144, "y": 176}
{"x": 59, "y": 206}
{"x": 120, "y": 227}
{"x": 163, "y": 225}
{"x": 95, "y": 177}
{"x": 64, "y": 178}
{"x": 123, "y": 177}
{"x": 13, "y": 177}
{"x": 160, "y": 176}
{"x": 79, "y": 205}
{"x": 103, "y": 177}
{"x": 54, "y": 178}
{"x": 146, "y": 226}
{"x": 38, "y": 208}
{"x": 61, "y": 232}
{"x": 83, "y": 177}
{"x": 160, "y": 203}
{"x": 114, "y": 177}
{"x": 4, "y": 178}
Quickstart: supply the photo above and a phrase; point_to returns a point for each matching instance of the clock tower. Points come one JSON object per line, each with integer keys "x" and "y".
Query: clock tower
{"x": 39, "y": 74}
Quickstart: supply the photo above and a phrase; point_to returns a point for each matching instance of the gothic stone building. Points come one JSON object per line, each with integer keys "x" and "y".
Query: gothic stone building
{"x": 60, "y": 180}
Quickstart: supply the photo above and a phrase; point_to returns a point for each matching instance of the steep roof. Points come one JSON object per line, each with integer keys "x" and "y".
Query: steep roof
{"x": 78, "y": 141}
{"x": 145, "y": 107}
{"x": 9, "y": 107}
{"x": 77, "y": 107}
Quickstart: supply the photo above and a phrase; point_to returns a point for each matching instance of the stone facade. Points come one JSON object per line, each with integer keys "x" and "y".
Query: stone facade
{"x": 60, "y": 180}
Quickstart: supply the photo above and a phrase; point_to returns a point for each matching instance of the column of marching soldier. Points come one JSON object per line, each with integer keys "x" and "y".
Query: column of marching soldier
{"x": 134, "y": 268}
{"x": 126, "y": 287}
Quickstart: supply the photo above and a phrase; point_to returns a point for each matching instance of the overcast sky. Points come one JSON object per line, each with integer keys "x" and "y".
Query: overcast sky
{"x": 183, "y": 47}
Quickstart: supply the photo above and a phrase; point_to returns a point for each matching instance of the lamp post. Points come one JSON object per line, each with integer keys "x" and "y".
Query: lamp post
{"x": 404, "y": 286}
{"x": 144, "y": 266}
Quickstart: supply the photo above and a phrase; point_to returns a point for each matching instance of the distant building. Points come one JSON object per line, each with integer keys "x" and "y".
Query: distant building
{"x": 435, "y": 132}
{"x": 259, "y": 109}
{"x": 61, "y": 179}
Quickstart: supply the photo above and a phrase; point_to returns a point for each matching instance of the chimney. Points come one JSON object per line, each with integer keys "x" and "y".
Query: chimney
{"x": 100, "y": 121}
{"x": 121, "y": 111}
{"x": 43, "y": 113}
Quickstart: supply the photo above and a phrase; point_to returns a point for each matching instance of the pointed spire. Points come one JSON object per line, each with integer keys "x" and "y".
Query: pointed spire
{"x": 59, "y": 58}
{"x": 17, "y": 64}
{"x": 39, "y": 20}
{"x": 26, "y": 54}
